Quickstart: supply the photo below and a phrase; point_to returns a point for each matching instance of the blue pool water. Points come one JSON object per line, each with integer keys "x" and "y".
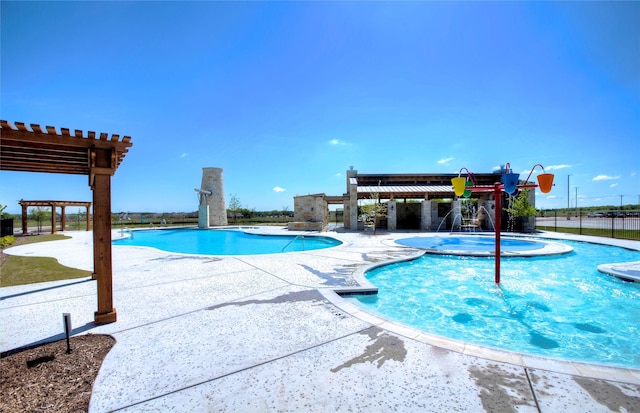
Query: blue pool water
{"x": 470, "y": 243}
{"x": 554, "y": 306}
{"x": 224, "y": 242}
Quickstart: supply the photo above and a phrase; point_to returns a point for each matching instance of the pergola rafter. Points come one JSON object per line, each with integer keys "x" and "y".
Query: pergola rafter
{"x": 97, "y": 156}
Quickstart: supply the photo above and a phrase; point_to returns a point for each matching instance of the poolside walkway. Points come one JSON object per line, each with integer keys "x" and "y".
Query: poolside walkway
{"x": 267, "y": 333}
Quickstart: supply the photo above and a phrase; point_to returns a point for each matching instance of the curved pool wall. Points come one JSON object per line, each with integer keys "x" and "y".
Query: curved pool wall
{"x": 195, "y": 241}
{"x": 588, "y": 325}
{"x": 482, "y": 245}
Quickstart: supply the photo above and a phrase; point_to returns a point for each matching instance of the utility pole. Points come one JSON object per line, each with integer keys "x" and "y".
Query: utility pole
{"x": 568, "y": 197}
{"x": 576, "y": 188}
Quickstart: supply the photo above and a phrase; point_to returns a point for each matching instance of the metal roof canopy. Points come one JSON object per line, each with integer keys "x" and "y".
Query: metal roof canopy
{"x": 35, "y": 150}
{"x": 411, "y": 185}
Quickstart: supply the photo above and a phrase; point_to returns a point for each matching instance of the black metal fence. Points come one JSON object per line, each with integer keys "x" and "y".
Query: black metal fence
{"x": 612, "y": 224}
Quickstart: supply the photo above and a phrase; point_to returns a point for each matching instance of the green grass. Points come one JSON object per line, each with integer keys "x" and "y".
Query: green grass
{"x": 17, "y": 270}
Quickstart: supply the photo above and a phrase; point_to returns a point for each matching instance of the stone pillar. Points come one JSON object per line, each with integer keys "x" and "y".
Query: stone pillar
{"x": 352, "y": 191}
{"x": 212, "y": 181}
{"x": 425, "y": 215}
{"x": 392, "y": 219}
{"x": 456, "y": 214}
{"x": 203, "y": 215}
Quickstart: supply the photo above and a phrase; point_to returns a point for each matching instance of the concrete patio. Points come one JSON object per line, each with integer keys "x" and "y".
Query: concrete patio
{"x": 267, "y": 333}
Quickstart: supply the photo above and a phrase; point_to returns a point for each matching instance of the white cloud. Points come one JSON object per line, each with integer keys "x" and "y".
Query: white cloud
{"x": 337, "y": 142}
{"x": 556, "y": 167}
{"x": 613, "y": 185}
{"x": 184, "y": 155}
{"x": 338, "y": 174}
{"x": 278, "y": 189}
{"x": 552, "y": 197}
{"x": 633, "y": 173}
{"x": 605, "y": 178}
{"x": 445, "y": 161}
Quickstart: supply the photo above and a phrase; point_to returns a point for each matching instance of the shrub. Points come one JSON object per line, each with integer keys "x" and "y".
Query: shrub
{"x": 7, "y": 240}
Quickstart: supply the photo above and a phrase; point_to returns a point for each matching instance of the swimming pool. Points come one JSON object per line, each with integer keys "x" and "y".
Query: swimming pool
{"x": 223, "y": 242}
{"x": 484, "y": 245}
{"x": 552, "y": 306}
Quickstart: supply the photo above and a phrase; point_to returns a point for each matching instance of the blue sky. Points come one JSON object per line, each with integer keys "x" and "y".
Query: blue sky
{"x": 285, "y": 96}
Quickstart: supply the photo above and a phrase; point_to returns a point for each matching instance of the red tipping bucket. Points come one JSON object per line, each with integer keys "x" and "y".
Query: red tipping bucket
{"x": 545, "y": 182}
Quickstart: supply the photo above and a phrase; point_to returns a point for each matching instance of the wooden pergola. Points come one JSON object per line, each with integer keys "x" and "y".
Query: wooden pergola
{"x": 53, "y": 205}
{"x": 96, "y": 156}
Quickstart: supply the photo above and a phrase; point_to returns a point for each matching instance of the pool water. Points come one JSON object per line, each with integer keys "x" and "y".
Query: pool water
{"x": 223, "y": 242}
{"x": 470, "y": 243}
{"x": 554, "y": 306}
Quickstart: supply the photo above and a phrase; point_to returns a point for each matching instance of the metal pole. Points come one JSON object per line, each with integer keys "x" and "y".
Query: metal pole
{"x": 576, "y": 188}
{"x": 568, "y": 197}
{"x": 497, "y": 193}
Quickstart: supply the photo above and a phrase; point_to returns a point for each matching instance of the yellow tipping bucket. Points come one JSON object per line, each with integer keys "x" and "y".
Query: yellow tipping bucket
{"x": 545, "y": 182}
{"x": 458, "y": 185}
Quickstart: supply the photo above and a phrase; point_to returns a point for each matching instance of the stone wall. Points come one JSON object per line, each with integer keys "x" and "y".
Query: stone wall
{"x": 311, "y": 213}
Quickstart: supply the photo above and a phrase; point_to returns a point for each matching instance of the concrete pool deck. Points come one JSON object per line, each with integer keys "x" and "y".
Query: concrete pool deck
{"x": 267, "y": 333}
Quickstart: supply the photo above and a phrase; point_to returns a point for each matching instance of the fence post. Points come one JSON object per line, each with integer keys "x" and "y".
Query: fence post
{"x": 580, "y": 225}
{"x": 613, "y": 225}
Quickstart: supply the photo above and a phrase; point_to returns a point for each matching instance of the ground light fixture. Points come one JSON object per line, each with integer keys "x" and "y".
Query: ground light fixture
{"x": 510, "y": 183}
{"x": 66, "y": 321}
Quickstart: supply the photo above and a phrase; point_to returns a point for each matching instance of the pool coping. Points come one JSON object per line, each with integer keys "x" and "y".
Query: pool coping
{"x": 575, "y": 368}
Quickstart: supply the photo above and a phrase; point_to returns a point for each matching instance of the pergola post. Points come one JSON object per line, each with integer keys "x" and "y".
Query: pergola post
{"x": 100, "y": 181}
{"x": 97, "y": 156}
{"x": 63, "y": 218}
{"x": 88, "y": 219}
{"x": 53, "y": 218}
{"x": 25, "y": 228}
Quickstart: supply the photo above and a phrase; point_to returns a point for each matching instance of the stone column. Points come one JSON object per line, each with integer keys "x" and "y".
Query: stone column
{"x": 203, "y": 215}
{"x": 352, "y": 191}
{"x": 212, "y": 181}
{"x": 456, "y": 214}
{"x": 425, "y": 215}
{"x": 392, "y": 218}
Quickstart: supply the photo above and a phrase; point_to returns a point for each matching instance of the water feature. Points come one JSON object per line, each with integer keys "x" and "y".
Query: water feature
{"x": 456, "y": 215}
{"x": 472, "y": 215}
{"x": 553, "y": 306}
